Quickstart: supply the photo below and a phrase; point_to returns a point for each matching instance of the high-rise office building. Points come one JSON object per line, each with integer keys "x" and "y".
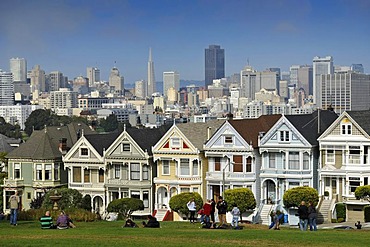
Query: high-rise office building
{"x": 305, "y": 79}
{"x": 116, "y": 80}
{"x": 37, "y": 79}
{"x": 93, "y": 74}
{"x": 321, "y": 66}
{"x": 171, "y": 79}
{"x": 359, "y": 68}
{"x": 18, "y": 67}
{"x": 346, "y": 91}
{"x": 6, "y": 88}
{"x": 63, "y": 98}
{"x": 140, "y": 87}
{"x": 214, "y": 64}
{"x": 151, "y": 87}
{"x": 56, "y": 80}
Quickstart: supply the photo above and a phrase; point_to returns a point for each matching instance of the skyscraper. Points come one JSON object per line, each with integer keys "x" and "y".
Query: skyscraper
{"x": 321, "y": 66}
{"x": 151, "y": 79}
{"x": 359, "y": 68}
{"x": 171, "y": 79}
{"x": 214, "y": 64}
{"x": 93, "y": 74}
{"x": 56, "y": 80}
{"x": 37, "y": 79}
{"x": 6, "y": 88}
{"x": 18, "y": 67}
{"x": 140, "y": 89}
{"x": 116, "y": 80}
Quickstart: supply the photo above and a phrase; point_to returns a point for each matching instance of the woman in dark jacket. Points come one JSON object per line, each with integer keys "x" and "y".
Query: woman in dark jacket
{"x": 312, "y": 216}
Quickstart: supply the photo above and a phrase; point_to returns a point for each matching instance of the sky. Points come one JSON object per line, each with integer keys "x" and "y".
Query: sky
{"x": 71, "y": 35}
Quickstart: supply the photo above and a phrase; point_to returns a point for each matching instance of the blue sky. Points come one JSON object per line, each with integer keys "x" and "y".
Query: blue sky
{"x": 72, "y": 35}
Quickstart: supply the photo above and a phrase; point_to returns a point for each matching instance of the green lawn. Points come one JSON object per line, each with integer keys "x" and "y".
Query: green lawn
{"x": 173, "y": 234}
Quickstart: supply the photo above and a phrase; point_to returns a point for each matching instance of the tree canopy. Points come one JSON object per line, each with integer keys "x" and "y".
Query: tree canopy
{"x": 125, "y": 206}
{"x": 9, "y": 130}
{"x": 294, "y": 196}
{"x": 110, "y": 123}
{"x": 242, "y": 197}
{"x": 71, "y": 198}
{"x": 178, "y": 203}
{"x": 362, "y": 191}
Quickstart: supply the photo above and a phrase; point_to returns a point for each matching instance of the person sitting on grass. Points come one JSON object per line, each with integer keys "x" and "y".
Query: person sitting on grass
{"x": 64, "y": 222}
{"x": 46, "y": 221}
{"x": 152, "y": 222}
{"x": 130, "y": 223}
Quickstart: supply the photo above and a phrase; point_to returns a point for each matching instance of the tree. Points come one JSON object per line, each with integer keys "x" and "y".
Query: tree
{"x": 178, "y": 203}
{"x": 86, "y": 203}
{"x": 294, "y": 196}
{"x": 37, "y": 120}
{"x": 362, "y": 191}
{"x": 125, "y": 206}
{"x": 109, "y": 124}
{"x": 242, "y": 197}
{"x": 13, "y": 131}
{"x": 71, "y": 198}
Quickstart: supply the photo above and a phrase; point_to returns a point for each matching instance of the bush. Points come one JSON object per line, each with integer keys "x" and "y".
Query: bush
{"x": 71, "y": 198}
{"x": 37, "y": 202}
{"x": 178, "y": 203}
{"x": 294, "y": 196}
{"x": 242, "y": 197}
{"x": 86, "y": 203}
{"x": 78, "y": 215}
{"x": 367, "y": 213}
{"x": 341, "y": 211}
{"x": 125, "y": 206}
{"x": 334, "y": 221}
{"x": 340, "y": 220}
{"x": 362, "y": 191}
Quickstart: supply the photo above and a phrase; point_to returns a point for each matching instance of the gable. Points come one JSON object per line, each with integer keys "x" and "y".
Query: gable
{"x": 82, "y": 150}
{"x": 227, "y": 138}
{"x": 124, "y": 146}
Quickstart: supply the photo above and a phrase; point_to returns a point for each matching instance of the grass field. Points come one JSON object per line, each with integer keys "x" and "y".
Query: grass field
{"x": 174, "y": 234}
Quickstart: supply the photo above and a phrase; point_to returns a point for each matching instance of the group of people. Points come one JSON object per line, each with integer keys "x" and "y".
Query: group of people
{"x": 207, "y": 213}
{"x": 63, "y": 221}
{"x": 152, "y": 223}
{"x": 307, "y": 215}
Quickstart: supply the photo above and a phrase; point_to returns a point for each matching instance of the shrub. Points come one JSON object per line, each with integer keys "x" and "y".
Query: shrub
{"x": 178, "y": 203}
{"x": 74, "y": 213}
{"x": 37, "y": 202}
{"x": 242, "y": 197}
{"x": 341, "y": 211}
{"x": 334, "y": 221}
{"x": 71, "y": 198}
{"x": 125, "y": 206}
{"x": 294, "y": 196}
{"x": 362, "y": 191}
{"x": 340, "y": 220}
{"x": 367, "y": 213}
{"x": 86, "y": 203}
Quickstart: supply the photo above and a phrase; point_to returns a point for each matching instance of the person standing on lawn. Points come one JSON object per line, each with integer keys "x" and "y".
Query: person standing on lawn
{"x": 14, "y": 204}
{"x": 222, "y": 209}
{"x": 192, "y": 209}
{"x": 303, "y": 216}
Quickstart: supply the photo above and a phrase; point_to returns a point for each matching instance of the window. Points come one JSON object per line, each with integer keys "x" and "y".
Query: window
{"x": 145, "y": 172}
{"x": 48, "y": 172}
{"x": 17, "y": 171}
{"x": 39, "y": 172}
{"x": 284, "y": 136}
{"x": 175, "y": 143}
{"x": 228, "y": 140}
{"x": 195, "y": 168}
{"x": 184, "y": 167}
{"x": 248, "y": 165}
{"x": 346, "y": 129}
{"x": 126, "y": 147}
{"x": 146, "y": 198}
{"x": 354, "y": 182}
{"x": 294, "y": 160}
{"x": 185, "y": 190}
{"x": 135, "y": 171}
{"x": 101, "y": 176}
{"x": 272, "y": 160}
{"x": 84, "y": 152}
{"x": 330, "y": 156}
{"x": 56, "y": 171}
{"x": 354, "y": 155}
{"x": 165, "y": 167}
{"x": 217, "y": 164}
{"x": 238, "y": 163}
{"x": 77, "y": 174}
{"x": 29, "y": 195}
{"x": 135, "y": 194}
{"x": 117, "y": 171}
{"x": 87, "y": 176}
{"x": 306, "y": 161}
{"x": 125, "y": 172}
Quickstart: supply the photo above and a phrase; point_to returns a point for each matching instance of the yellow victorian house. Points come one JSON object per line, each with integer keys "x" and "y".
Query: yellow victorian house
{"x": 181, "y": 164}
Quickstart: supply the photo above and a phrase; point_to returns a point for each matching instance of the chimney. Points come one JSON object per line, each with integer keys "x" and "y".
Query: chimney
{"x": 63, "y": 145}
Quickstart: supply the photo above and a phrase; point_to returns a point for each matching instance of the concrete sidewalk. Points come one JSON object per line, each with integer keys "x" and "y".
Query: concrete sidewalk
{"x": 343, "y": 225}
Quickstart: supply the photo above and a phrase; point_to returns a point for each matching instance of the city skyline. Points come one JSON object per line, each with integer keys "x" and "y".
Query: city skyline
{"x": 70, "y": 36}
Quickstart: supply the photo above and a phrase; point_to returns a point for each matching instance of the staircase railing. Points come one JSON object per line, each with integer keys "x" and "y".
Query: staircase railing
{"x": 257, "y": 217}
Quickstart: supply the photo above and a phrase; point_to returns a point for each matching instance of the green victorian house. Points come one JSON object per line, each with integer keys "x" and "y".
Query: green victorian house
{"x": 36, "y": 165}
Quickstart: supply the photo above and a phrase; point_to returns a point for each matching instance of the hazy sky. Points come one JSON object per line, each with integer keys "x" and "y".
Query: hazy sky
{"x": 71, "y": 35}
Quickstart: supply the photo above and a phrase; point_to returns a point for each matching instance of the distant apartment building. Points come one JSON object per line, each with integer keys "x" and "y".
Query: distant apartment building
{"x": 346, "y": 91}
{"x": 90, "y": 103}
{"x": 321, "y": 66}
{"x": 140, "y": 89}
{"x": 6, "y": 88}
{"x": 64, "y": 98}
{"x": 56, "y": 80}
{"x": 218, "y": 88}
{"x": 18, "y": 67}
{"x": 214, "y": 64}
{"x": 171, "y": 79}
{"x": 17, "y": 114}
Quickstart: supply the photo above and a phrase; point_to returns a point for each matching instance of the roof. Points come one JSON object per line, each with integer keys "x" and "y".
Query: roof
{"x": 307, "y": 124}
{"x": 5, "y": 144}
{"x": 198, "y": 133}
{"x": 361, "y": 118}
{"x": 102, "y": 141}
{"x": 250, "y": 129}
{"x": 44, "y": 144}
